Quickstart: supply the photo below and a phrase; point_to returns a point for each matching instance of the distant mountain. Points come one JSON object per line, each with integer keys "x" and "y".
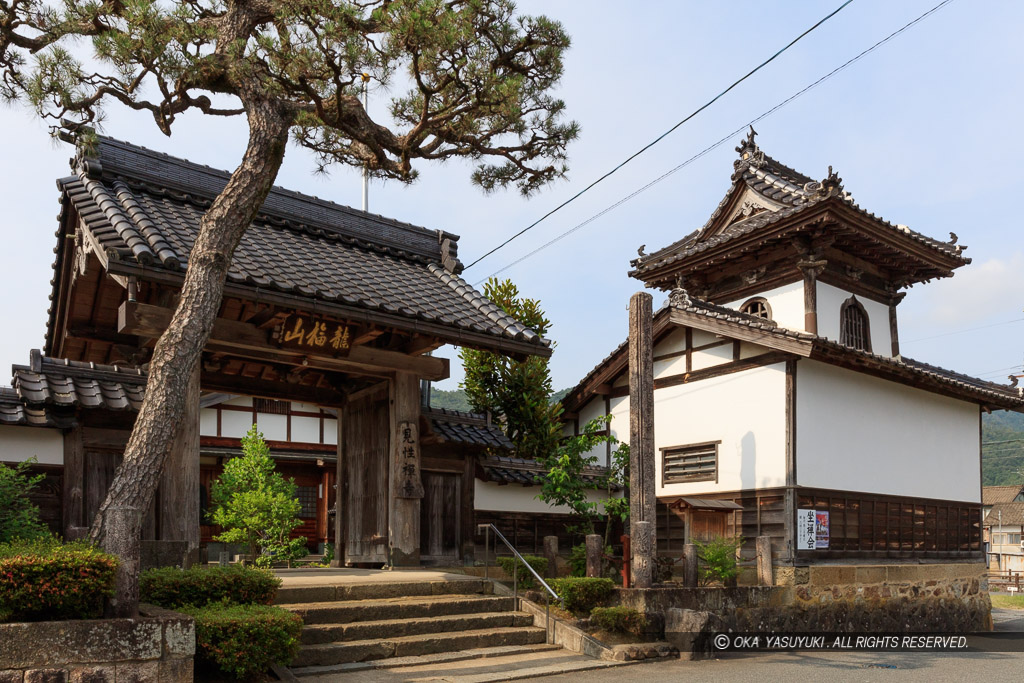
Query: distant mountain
{"x": 456, "y": 399}
{"x": 1002, "y": 438}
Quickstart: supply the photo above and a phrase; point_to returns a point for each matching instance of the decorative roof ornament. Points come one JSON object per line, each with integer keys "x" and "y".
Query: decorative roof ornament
{"x": 750, "y": 153}
{"x": 832, "y": 183}
{"x": 679, "y": 297}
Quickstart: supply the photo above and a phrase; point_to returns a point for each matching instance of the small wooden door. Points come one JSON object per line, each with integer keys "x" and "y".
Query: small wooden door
{"x": 440, "y": 517}
{"x": 365, "y": 427}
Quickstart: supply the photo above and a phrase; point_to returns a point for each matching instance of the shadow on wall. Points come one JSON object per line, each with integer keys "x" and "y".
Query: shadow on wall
{"x": 748, "y": 461}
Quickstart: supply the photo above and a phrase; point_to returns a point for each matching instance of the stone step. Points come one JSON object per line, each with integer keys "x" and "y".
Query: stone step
{"x": 350, "y": 611}
{"x": 437, "y": 658}
{"x": 393, "y": 628}
{"x": 404, "y": 646}
{"x": 375, "y": 590}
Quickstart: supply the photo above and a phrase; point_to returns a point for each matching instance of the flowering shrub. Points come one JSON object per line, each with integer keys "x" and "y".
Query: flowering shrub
{"x": 171, "y": 588}
{"x": 242, "y": 640}
{"x": 45, "y": 579}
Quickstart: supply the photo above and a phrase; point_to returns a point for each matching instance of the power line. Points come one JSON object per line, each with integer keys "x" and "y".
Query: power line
{"x": 989, "y": 443}
{"x": 708, "y": 149}
{"x": 661, "y": 137}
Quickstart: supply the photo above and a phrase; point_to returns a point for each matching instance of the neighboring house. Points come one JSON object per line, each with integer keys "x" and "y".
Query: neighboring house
{"x": 782, "y": 404}
{"x": 990, "y": 495}
{"x": 1004, "y": 534}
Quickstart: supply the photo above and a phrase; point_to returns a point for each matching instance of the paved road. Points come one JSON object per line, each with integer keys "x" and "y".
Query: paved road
{"x": 808, "y": 667}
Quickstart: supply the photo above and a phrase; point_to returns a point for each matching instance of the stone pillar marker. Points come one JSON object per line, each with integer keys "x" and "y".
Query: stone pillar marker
{"x": 641, "y": 438}
{"x": 690, "y": 565}
{"x": 764, "y": 561}
{"x": 551, "y": 554}
{"x": 595, "y": 549}
{"x": 406, "y": 487}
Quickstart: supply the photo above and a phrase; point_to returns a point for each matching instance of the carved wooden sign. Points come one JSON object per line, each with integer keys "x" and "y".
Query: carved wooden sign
{"x": 310, "y": 333}
{"x": 407, "y": 480}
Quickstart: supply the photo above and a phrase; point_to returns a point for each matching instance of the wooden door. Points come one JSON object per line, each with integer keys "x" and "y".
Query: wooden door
{"x": 365, "y": 426}
{"x": 440, "y": 516}
{"x": 707, "y": 524}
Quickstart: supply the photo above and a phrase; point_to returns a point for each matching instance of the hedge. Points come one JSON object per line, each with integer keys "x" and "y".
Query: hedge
{"x": 618, "y": 620}
{"x": 581, "y": 594}
{"x": 47, "y": 580}
{"x": 171, "y": 587}
{"x": 243, "y": 640}
{"x": 523, "y": 576}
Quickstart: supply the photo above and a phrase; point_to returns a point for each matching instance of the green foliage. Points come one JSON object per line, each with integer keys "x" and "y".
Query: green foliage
{"x": 578, "y": 560}
{"x": 515, "y": 392}
{"x": 450, "y": 400}
{"x": 1002, "y": 464}
{"x": 44, "y": 579}
{"x": 244, "y": 640}
{"x": 19, "y": 518}
{"x": 718, "y": 559}
{"x": 618, "y": 620}
{"x": 328, "y": 554}
{"x": 580, "y": 594}
{"x": 524, "y": 579}
{"x": 255, "y": 505}
{"x": 171, "y": 587}
{"x": 464, "y": 79}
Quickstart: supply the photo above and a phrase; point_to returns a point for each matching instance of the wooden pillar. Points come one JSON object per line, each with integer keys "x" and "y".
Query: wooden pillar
{"x": 789, "y": 500}
{"x": 406, "y": 489}
{"x": 72, "y": 502}
{"x": 642, "y": 500}
{"x": 893, "y": 329}
{"x": 340, "y": 480}
{"x": 179, "y": 479}
{"x": 469, "y": 511}
{"x": 811, "y": 270}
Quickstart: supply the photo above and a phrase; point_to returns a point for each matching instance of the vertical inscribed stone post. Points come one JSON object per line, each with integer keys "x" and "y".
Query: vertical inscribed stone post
{"x": 406, "y": 488}
{"x": 551, "y": 554}
{"x": 764, "y": 561}
{"x": 690, "y": 565}
{"x": 595, "y": 548}
{"x": 641, "y": 436}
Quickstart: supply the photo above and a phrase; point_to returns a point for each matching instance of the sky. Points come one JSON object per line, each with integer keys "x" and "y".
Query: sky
{"x": 923, "y": 132}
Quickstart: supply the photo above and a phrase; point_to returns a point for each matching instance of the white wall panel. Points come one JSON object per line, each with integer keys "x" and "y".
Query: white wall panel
{"x": 708, "y": 358}
{"x": 21, "y": 443}
{"x": 518, "y": 498}
{"x": 208, "y": 422}
{"x": 274, "y": 427}
{"x": 786, "y": 303}
{"x": 235, "y": 423}
{"x": 305, "y": 429}
{"x": 331, "y": 431}
{"x": 830, "y": 303}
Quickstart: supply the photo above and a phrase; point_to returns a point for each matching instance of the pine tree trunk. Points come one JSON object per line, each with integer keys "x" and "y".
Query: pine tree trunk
{"x": 180, "y": 347}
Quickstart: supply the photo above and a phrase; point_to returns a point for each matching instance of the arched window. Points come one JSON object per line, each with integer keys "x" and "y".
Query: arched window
{"x": 757, "y": 307}
{"x": 853, "y": 325}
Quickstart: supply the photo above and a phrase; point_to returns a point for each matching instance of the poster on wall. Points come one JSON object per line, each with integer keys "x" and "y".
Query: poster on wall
{"x": 806, "y": 531}
{"x": 821, "y": 530}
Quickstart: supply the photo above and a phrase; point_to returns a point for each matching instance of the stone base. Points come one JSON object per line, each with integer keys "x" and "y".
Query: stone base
{"x": 156, "y": 647}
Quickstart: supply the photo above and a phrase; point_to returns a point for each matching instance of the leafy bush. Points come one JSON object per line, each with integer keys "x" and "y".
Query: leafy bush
{"x": 618, "y": 620}
{"x": 45, "y": 579}
{"x": 718, "y": 559}
{"x": 581, "y": 594}
{"x": 19, "y": 517}
{"x": 578, "y": 561}
{"x": 242, "y": 640}
{"x": 171, "y": 587}
{"x": 524, "y": 579}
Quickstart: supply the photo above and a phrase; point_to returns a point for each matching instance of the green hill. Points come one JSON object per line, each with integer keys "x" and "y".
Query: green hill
{"x": 1002, "y": 463}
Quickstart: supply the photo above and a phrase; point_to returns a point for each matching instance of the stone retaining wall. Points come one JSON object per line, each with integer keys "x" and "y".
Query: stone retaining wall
{"x": 156, "y": 647}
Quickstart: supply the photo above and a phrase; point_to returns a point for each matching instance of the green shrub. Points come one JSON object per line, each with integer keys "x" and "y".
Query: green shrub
{"x": 581, "y": 594}
{"x": 171, "y": 587}
{"x": 578, "y": 561}
{"x": 242, "y": 640}
{"x": 524, "y": 578}
{"x": 618, "y": 620}
{"x": 45, "y": 579}
{"x": 19, "y": 517}
{"x": 718, "y": 559}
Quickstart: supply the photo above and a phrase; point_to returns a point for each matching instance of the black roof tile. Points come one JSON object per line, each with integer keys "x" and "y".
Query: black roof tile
{"x": 472, "y": 429}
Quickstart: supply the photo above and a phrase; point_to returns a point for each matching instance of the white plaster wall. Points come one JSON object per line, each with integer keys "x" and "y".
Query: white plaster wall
{"x": 743, "y": 410}
{"x": 330, "y": 431}
{"x": 274, "y": 427}
{"x": 707, "y": 358}
{"x": 830, "y": 303}
{"x": 786, "y": 302}
{"x": 235, "y": 424}
{"x": 519, "y": 498}
{"x": 208, "y": 422}
{"x": 18, "y": 443}
{"x": 860, "y": 433}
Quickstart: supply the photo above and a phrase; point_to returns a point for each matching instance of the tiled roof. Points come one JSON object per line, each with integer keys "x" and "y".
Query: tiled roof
{"x": 58, "y": 383}
{"x": 504, "y": 470}
{"x": 143, "y": 210}
{"x": 1005, "y": 513}
{"x": 990, "y": 495}
{"x": 13, "y": 411}
{"x": 896, "y": 368}
{"x": 788, "y": 193}
{"x": 455, "y": 426}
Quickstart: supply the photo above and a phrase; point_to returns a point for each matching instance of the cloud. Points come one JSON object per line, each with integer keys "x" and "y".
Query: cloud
{"x": 985, "y": 291}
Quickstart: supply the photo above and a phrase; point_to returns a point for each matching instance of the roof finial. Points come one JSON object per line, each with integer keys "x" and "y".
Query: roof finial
{"x": 748, "y": 146}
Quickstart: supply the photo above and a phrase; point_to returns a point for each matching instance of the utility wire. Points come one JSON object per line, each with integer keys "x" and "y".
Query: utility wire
{"x": 703, "y": 152}
{"x": 661, "y": 137}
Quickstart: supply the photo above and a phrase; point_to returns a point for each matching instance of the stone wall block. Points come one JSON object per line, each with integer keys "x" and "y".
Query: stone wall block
{"x": 92, "y": 674}
{"x": 179, "y": 638}
{"x": 11, "y": 676}
{"x": 46, "y": 676}
{"x": 138, "y": 672}
{"x": 176, "y": 670}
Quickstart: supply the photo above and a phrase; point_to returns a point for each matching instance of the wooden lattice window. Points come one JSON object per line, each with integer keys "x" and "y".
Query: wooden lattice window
{"x": 853, "y": 325}
{"x": 696, "y": 462}
{"x": 757, "y": 307}
{"x": 307, "y": 498}
{"x": 266, "y": 405}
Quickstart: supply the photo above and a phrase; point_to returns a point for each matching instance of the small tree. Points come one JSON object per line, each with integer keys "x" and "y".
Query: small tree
{"x": 19, "y": 517}
{"x": 718, "y": 559}
{"x": 516, "y": 393}
{"x": 255, "y": 505}
{"x": 565, "y": 485}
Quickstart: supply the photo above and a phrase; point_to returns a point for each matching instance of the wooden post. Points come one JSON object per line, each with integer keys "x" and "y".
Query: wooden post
{"x": 811, "y": 269}
{"x": 764, "y": 561}
{"x": 690, "y": 565}
{"x": 627, "y": 560}
{"x": 642, "y": 501}
{"x": 595, "y": 553}
{"x": 340, "y": 479}
{"x": 406, "y": 487}
{"x": 179, "y": 479}
{"x": 551, "y": 553}
{"x": 74, "y": 482}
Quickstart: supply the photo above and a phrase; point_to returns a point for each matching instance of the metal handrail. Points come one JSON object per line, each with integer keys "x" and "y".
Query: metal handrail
{"x": 548, "y": 632}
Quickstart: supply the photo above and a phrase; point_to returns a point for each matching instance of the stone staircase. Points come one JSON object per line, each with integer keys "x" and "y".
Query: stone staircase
{"x": 411, "y": 629}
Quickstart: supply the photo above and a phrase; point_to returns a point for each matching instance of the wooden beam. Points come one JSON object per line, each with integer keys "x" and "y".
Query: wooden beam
{"x": 240, "y": 338}
{"x": 282, "y": 391}
{"x": 800, "y": 347}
